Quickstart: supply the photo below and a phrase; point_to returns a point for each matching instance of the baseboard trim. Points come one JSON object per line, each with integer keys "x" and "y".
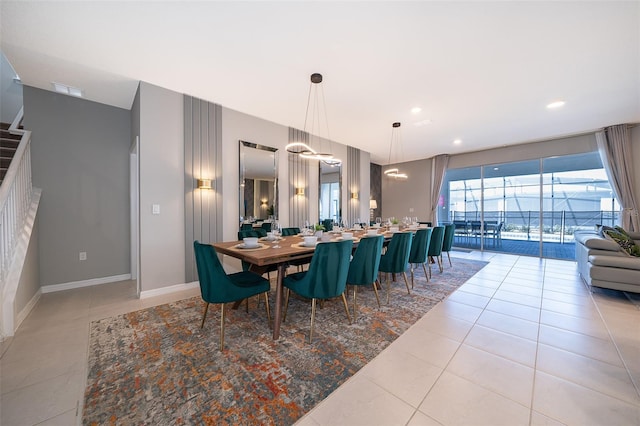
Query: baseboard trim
{"x": 27, "y": 309}
{"x": 169, "y": 289}
{"x": 84, "y": 283}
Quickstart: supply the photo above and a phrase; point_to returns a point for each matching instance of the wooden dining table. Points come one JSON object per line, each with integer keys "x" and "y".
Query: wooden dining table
{"x": 287, "y": 250}
{"x": 280, "y": 253}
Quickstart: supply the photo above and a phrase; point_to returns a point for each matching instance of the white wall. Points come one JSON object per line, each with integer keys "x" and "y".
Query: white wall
{"x": 410, "y": 197}
{"x": 162, "y": 252}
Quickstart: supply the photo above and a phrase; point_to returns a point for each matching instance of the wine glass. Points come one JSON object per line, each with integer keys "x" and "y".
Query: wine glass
{"x": 275, "y": 228}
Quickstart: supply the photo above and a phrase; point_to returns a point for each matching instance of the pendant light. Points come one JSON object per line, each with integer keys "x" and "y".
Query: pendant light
{"x": 394, "y": 173}
{"x": 314, "y": 101}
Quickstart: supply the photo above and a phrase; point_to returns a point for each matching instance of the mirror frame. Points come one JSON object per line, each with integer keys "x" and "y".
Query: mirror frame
{"x": 241, "y": 174}
{"x": 339, "y": 219}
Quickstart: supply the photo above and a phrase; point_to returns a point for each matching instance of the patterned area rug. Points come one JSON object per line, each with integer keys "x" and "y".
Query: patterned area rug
{"x": 156, "y": 366}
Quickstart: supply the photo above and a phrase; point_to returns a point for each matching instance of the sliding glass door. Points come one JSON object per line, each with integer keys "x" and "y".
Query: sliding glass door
{"x": 512, "y": 207}
{"x": 528, "y": 207}
{"x": 576, "y": 194}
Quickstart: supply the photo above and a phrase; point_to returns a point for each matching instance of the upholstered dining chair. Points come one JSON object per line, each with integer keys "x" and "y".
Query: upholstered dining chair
{"x": 435, "y": 247}
{"x": 363, "y": 269}
{"x": 286, "y": 232}
{"x": 218, "y": 287}
{"x": 396, "y": 258}
{"x": 256, "y": 232}
{"x": 328, "y": 224}
{"x": 325, "y": 279}
{"x": 418, "y": 253}
{"x": 266, "y": 226}
{"x": 447, "y": 242}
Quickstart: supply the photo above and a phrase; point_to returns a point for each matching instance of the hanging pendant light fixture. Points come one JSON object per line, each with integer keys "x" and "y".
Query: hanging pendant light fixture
{"x": 313, "y": 103}
{"x": 397, "y": 141}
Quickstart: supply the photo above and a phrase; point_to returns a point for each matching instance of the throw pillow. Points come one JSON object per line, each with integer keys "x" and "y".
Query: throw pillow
{"x": 624, "y": 241}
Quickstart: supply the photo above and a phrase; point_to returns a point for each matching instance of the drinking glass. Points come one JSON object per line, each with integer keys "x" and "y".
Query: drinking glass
{"x": 275, "y": 228}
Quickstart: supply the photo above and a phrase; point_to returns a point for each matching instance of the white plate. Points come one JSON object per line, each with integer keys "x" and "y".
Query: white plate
{"x": 308, "y": 245}
{"x": 245, "y": 247}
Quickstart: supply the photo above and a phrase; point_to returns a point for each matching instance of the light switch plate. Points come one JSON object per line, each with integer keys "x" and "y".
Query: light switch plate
{"x": 155, "y": 209}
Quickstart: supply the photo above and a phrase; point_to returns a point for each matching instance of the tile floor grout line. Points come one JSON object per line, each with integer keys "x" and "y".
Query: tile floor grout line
{"x": 456, "y": 351}
{"x": 615, "y": 344}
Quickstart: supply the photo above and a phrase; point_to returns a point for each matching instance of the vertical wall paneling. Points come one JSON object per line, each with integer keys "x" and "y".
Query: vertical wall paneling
{"x": 202, "y": 160}
{"x": 353, "y": 185}
{"x": 298, "y": 178}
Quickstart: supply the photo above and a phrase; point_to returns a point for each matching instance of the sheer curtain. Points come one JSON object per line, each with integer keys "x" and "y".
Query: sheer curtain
{"x": 438, "y": 168}
{"x": 614, "y": 145}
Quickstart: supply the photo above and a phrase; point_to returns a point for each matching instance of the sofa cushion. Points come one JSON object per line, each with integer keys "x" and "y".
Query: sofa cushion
{"x": 624, "y": 241}
{"x": 593, "y": 241}
{"x": 624, "y": 262}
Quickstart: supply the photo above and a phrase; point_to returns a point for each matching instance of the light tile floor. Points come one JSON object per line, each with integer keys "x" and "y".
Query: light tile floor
{"x": 522, "y": 342}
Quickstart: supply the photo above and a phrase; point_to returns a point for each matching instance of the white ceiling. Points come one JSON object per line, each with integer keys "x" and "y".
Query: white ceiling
{"x": 481, "y": 71}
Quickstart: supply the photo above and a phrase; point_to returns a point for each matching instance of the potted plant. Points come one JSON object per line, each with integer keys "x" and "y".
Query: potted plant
{"x": 318, "y": 228}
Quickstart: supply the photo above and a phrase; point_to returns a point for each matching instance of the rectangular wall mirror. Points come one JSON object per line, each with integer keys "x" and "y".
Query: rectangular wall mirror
{"x": 258, "y": 182}
{"x": 330, "y": 192}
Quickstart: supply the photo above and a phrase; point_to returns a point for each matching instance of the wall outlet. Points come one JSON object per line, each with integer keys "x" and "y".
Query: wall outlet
{"x": 155, "y": 209}
{"x": 411, "y": 210}
{"x": 83, "y": 255}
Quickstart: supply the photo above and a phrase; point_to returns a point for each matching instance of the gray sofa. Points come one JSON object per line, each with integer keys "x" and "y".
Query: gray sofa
{"x": 602, "y": 263}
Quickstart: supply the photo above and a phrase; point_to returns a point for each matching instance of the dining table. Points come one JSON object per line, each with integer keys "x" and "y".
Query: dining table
{"x": 281, "y": 252}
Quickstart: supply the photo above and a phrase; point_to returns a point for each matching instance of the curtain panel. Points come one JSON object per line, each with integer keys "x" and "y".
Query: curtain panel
{"x": 614, "y": 146}
{"x": 438, "y": 169}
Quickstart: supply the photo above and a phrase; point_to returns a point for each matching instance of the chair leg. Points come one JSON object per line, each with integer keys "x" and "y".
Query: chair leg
{"x": 247, "y": 305}
{"x": 429, "y": 269}
{"x": 286, "y": 305}
{"x": 388, "y": 286}
{"x": 206, "y": 308}
{"x": 375, "y": 289}
{"x": 412, "y": 275}
{"x": 449, "y": 257}
{"x": 355, "y": 303}
{"x": 404, "y": 275}
{"x": 346, "y": 307}
{"x": 222, "y": 327}
{"x": 440, "y": 263}
{"x": 424, "y": 268}
{"x": 266, "y": 305}
{"x": 313, "y": 317}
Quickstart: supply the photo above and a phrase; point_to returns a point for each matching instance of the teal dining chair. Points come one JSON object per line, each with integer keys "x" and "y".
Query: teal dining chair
{"x": 396, "y": 258}
{"x": 435, "y": 247}
{"x": 286, "y": 232}
{"x": 447, "y": 242}
{"x": 328, "y": 224}
{"x": 326, "y": 277}
{"x": 218, "y": 287}
{"x": 255, "y": 232}
{"x": 419, "y": 248}
{"x": 363, "y": 269}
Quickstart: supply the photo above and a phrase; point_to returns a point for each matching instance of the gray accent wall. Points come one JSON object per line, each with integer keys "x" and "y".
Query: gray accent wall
{"x": 202, "y": 159}
{"x": 80, "y": 160}
{"x": 10, "y": 91}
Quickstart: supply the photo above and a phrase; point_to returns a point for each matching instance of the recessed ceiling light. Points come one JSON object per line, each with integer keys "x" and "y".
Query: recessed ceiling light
{"x": 416, "y": 110}
{"x": 67, "y": 90}
{"x": 457, "y": 142}
{"x": 556, "y": 104}
{"x": 422, "y": 123}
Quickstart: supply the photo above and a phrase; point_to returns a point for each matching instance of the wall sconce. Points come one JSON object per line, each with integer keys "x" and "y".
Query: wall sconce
{"x": 204, "y": 183}
{"x": 299, "y": 191}
{"x": 354, "y": 195}
{"x": 263, "y": 204}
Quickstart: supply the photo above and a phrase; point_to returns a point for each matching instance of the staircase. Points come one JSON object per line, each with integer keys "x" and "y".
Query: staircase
{"x": 8, "y": 145}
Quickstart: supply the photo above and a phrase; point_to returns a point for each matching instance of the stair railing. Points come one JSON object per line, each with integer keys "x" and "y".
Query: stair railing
{"x": 15, "y": 198}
